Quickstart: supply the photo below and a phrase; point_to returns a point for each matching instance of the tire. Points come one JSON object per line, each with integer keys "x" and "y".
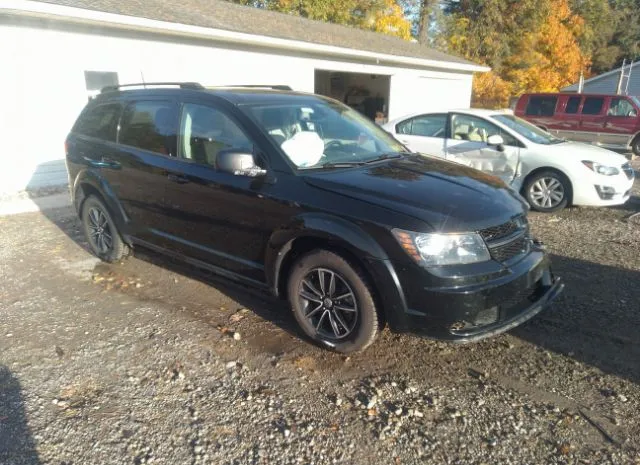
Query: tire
{"x": 539, "y": 191}
{"x": 101, "y": 232}
{"x": 321, "y": 317}
{"x": 635, "y": 146}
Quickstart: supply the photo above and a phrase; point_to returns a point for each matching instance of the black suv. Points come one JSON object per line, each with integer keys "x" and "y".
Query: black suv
{"x": 302, "y": 196}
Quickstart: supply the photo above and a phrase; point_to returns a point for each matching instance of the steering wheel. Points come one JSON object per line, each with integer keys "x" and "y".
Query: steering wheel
{"x": 334, "y": 144}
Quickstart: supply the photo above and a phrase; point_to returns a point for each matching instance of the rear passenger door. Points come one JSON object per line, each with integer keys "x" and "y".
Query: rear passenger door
{"x": 147, "y": 147}
{"x": 424, "y": 134}
{"x": 592, "y": 119}
{"x": 541, "y": 109}
{"x": 568, "y": 120}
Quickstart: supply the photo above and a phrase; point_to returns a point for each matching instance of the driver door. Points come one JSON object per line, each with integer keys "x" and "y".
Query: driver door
{"x": 467, "y": 145}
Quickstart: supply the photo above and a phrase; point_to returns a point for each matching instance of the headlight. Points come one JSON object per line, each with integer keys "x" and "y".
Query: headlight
{"x": 601, "y": 169}
{"x": 443, "y": 249}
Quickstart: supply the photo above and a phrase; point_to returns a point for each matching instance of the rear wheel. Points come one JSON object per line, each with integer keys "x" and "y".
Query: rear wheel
{"x": 547, "y": 191}
{"x": 332, "y": 302}
{"x": 101, "y": 232}
{"x": 635, "y": 146}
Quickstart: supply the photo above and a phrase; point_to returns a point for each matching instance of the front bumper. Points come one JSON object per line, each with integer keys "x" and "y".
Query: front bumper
{"x": 475, "y": 307}
{"x": 601, "y": 191}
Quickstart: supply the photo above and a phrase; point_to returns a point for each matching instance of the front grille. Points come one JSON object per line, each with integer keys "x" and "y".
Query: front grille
{"x": 628, "y": 170}
{"x": 510, "y": 250}
{"x": 496, "y": 233}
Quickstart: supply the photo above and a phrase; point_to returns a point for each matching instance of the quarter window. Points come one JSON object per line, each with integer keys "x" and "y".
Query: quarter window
{"x": 592, "y": 105}
{"x": 425, "y": 125}
{"x": 541, "y": 106}
{"x": 150, "y": 126}
{"x": 621, "y": 107}
{"x": 100, "y": 122}
{"x": 572, "y": 105}
{"x": 206, "y": 131}
{"x": 474, "y": 129}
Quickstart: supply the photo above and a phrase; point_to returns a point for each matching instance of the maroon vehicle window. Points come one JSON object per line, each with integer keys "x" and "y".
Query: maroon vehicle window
{"x": 592, "y": 105}
{"x": 572, "y": 105}
{"x": 541, "y": 106}
{"x": 621, "y": 107}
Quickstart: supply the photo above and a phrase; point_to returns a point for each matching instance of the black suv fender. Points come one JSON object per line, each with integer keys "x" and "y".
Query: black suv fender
{"x": 320, "y": 230}
{"x": 89, "y": 182}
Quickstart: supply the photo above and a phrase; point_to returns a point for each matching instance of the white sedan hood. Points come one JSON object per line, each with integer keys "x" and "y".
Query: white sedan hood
{"x": 586, "y": 152}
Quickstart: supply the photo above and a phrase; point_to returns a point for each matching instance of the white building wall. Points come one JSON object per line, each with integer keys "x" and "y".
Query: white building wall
{"x": 42, "y": 85}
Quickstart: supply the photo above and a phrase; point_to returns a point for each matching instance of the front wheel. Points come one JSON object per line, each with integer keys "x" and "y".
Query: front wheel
{"x": 547, "y": 191}
{"x": 332, "y": 302}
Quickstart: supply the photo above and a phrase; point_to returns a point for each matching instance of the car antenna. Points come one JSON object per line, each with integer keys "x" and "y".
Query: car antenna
{"x": 142, "y": 77}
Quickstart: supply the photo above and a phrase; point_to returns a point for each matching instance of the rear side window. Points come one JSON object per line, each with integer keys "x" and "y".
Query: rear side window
{"x": 151, "y": 126}
{"x": 592, "y": 105}
{"x": 100, "y": 122}
{"x": 572, "y": 105}
{"x": 541, "y": 106}
{"x": 425, "y": 125}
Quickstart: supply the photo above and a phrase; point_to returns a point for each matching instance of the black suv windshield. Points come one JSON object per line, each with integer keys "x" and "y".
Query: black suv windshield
{"x": 317, "y": 133}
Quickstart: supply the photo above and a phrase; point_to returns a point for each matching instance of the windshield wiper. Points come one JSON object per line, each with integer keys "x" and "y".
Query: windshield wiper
{"x": 387, "y": 156}
{"x": 337, "y": 164}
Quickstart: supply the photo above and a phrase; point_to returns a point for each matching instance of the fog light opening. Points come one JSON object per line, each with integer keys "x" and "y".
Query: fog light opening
{"x": 605, "y": 192}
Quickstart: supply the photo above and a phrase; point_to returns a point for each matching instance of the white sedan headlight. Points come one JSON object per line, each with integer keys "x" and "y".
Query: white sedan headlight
{"x": 431, "y": 249}
{"x": 601, "y": 169}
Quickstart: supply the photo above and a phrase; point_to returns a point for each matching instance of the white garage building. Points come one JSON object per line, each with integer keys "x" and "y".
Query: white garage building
{"x": 54, "y": 55}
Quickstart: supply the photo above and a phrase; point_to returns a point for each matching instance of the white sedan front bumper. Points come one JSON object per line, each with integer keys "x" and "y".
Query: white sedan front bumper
{"x": 599, "y": 190}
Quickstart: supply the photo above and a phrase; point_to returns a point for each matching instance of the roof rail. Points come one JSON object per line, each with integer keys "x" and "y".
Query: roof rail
{"x": 261, "y": 86}
{"x": 182, "y": 85}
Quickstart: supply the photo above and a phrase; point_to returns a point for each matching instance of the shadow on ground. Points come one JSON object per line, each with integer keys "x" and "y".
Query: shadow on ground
{"x": 596, "y": 319}
{"x": 16, "y": 443}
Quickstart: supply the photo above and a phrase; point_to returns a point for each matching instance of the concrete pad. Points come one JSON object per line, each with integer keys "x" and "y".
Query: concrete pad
{"x": 27, "y": 205}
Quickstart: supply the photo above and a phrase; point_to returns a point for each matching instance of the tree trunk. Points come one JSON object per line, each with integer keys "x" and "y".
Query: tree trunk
{"x": 424, "y": 16}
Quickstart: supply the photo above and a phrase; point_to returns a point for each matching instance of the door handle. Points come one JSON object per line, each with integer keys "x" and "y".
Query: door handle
{"x": 103, "y": 163}
{"x": 177, "y": 178}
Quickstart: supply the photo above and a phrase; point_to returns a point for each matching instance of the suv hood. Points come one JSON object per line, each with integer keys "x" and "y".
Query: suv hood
{"x": 447, "y": 196}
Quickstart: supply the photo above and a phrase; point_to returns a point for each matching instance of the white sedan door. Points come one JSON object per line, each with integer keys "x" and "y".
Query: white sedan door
{"x": 424, "y": 134}
{"x": 467, "y": 144}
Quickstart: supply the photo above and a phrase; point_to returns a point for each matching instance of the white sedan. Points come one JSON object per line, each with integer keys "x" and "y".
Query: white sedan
{"x": 549, "y": 172}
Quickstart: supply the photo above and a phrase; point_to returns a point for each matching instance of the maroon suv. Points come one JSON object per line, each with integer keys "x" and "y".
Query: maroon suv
{"x": 610, "y": 121}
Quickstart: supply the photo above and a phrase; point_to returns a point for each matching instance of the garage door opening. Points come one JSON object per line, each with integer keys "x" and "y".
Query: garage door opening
{"x": 367, "y": 93}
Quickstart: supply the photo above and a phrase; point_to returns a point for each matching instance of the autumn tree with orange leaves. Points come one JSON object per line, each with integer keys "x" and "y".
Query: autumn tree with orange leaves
{"x": 531, "y": 45}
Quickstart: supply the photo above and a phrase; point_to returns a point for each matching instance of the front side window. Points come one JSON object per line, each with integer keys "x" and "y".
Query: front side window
{"x": 572, "y": 105}
{"x": 621, "y": 107}
{"x": 541, "y": 106}
{"x": 425, "y": 125}
{"x": 316, "y": 133}
{"x": 100, "y": 122}
{"x": 150, "y": 125}
{"x": 206, "y": 131}
{"x": 475, "y": 129}
{"x": 592, "y": 105}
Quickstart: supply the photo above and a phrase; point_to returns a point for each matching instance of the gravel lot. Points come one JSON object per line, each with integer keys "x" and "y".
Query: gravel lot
{"x": 151, "y": 362}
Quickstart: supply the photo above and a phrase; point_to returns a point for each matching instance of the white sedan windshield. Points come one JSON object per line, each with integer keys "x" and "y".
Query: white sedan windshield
{"x": 317, "y": 133}
{"x": 527, "y": 130}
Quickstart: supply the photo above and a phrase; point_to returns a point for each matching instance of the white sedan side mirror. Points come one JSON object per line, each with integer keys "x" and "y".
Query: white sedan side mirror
{"x": 495, "y": 139}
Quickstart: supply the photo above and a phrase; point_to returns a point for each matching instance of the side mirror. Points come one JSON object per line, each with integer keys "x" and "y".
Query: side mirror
{"x": 238, "y": 163}
{"x": 495, "y": 139}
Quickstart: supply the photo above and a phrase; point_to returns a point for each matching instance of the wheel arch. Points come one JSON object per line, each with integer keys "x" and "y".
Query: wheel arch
{"x": 344, "y": 238}
{"x": 89, "y": 183}
{"x": 540, "y": 169}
